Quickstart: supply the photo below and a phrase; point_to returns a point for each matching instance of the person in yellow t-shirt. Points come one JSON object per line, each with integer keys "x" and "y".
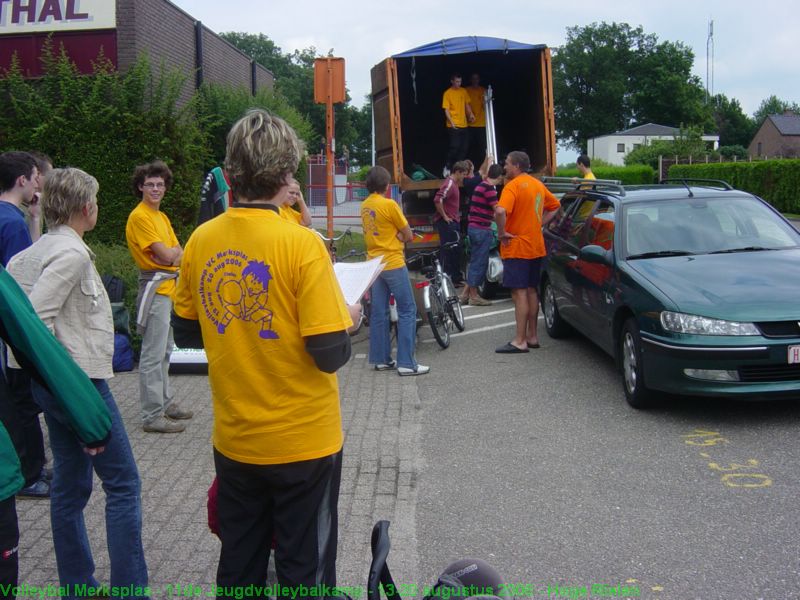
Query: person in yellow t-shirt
{"x": 294, "y": 197}
{"x": 477, "y": 128}
{"x": 157, "y": 253}
{"x": 260, "y": 295}
{"x": 385, "y": 232}
{"x": 458, "y": 114}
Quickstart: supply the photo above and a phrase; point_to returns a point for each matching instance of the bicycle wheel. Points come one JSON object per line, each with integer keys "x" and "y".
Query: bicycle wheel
{"x": 438, "y": 318}
{"x": 453, "y": 303}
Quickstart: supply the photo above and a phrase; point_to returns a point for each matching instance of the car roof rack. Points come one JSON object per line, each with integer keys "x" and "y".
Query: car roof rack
{"x": 568, "y": 184}
{"x": 687, "y": 180}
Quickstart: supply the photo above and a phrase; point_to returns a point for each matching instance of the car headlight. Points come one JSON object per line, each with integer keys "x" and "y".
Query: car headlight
{"x": 683, "y": 323}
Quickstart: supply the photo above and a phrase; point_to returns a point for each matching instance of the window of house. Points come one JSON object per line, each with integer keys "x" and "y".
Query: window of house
{"x": 620, "y": 147}
{"x": 758, "y": 151}
{"x": 637, "y": 146}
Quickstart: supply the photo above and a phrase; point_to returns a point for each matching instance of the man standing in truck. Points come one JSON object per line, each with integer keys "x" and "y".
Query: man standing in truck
{"x": 458, "y": 115}
{"x": 477, "y": 127}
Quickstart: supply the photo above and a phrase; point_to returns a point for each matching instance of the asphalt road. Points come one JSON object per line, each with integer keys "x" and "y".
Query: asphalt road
{"x": 536, "y": 464}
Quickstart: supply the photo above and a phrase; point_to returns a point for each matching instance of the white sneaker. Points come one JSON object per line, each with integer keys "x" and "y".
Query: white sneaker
{"x": 386, "y": 366}
{"x": 406, "y": 372}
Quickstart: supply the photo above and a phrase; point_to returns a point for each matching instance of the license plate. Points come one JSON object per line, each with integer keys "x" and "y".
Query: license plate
{"x": 794, "y": 354}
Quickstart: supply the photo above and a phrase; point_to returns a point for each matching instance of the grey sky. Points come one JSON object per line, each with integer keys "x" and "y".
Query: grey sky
{"x": 756, "y": 43}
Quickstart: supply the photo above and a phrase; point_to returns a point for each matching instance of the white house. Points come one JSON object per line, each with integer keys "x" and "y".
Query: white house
{"x": 613, "y": 147}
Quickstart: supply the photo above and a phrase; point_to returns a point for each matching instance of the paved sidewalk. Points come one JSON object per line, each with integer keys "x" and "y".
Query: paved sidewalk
{"x": 382, "y": 425}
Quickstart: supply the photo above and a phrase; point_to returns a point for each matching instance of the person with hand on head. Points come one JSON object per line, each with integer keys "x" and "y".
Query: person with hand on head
{"x": 157, "y": 252}
{"x": 294, "y": 198}
{"x": 386, "y": 231}
{"x": 481, "y": 236}
{"x": 58, "y": 274}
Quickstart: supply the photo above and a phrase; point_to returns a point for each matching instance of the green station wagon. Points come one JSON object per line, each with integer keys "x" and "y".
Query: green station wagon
{"x": 692, "y": 286}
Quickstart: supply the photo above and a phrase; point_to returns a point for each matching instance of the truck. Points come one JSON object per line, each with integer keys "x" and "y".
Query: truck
{"x": 409, "y": 123}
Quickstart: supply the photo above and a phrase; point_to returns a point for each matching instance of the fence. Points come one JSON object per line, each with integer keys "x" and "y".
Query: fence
{"x": 347, "y": 198}
{"x": 665, "y": 162}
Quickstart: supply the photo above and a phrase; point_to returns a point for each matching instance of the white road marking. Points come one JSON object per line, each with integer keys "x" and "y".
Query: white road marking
{"x": 479, "y": 330}
{"x": 489, "y": 314}
{"x": 501, "y": 301}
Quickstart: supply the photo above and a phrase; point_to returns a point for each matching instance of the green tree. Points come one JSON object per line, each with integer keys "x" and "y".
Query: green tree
{"x": 294, "y": 80}
{"x": 773, "y": 106}
{"x": 688, "y": 142}
{"x": 734, "y": 127}
{"x": 609, "y": 76}
{"x": 106, "y": 124}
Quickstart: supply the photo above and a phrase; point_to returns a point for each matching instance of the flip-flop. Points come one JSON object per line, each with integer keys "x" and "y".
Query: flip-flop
{"x": 510, "y": 348}
{"x": 533, "y": 345}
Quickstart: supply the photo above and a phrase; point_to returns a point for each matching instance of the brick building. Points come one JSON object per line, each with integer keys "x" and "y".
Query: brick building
{"x": 779, "y": 135}
{"x": 122, "y": 30}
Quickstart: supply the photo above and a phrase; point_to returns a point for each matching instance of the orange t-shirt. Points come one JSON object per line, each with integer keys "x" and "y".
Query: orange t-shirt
{"x": 525, "y": 199}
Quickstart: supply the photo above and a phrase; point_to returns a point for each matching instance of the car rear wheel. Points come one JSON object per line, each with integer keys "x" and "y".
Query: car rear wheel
{"x": 555, "y": 325}
{"x": 632, "y": 363}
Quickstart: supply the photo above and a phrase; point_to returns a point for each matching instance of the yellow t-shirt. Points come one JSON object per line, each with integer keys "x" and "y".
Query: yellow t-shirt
{"x": 290, "y": 214}
{"x": 455, "y": 100}
{"x": 381, "y": 219}
{"x": 589, "y": 175}
{"x": 258, "y": 285}
{"x": 476, "y": 102}
{"x": 145, "y": 227}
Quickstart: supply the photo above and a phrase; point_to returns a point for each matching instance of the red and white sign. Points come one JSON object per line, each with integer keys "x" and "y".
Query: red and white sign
{"x": 33, "y": 16}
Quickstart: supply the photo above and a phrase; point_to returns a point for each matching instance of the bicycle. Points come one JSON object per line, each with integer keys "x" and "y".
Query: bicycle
{"x": 331, "y": 242}
{"x": 352, "y": 253}
{"x": 440, "y": 299}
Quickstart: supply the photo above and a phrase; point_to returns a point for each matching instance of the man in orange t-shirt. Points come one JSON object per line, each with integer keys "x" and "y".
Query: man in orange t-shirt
{"x": 525, "y": 206}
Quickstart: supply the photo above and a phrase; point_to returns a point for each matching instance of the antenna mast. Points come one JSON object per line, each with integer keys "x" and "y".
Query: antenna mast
{"x": 710, "y": 61}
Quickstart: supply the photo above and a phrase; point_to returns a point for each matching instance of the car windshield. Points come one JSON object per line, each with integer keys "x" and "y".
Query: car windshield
{"x": 681, "y": 227}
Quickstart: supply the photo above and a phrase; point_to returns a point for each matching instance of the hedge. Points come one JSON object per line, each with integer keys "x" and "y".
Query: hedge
{"x": 776, "y": 181}
{"x": 109, "y": 122}
{"x": 633, "y": 175}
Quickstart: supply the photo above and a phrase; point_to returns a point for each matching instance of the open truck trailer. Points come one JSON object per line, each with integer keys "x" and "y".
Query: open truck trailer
{"x": 409, "y": 123}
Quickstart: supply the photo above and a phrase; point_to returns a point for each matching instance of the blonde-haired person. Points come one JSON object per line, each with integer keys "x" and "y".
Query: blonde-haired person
{"x": 58, "y": 274}
{"x": 273, "y": 323}
{"x": 294, "y": 197}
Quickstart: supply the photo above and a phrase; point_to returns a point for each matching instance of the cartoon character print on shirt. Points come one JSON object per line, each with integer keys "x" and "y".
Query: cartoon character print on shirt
{"x": 234, "y": 287}
{"x": 368, "y": 218}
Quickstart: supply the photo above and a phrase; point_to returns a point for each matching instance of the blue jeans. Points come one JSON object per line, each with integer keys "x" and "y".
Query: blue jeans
{"x": 480, "y": 242}
{"x": 70, "y": 491}
{"x": 396, "y": 282}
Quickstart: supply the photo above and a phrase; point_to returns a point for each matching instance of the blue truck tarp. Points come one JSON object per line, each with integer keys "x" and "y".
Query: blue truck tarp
{"x": 463, "y": 45}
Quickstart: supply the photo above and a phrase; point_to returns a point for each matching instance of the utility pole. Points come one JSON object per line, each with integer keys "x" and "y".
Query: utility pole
{"x": 329, "y": 89}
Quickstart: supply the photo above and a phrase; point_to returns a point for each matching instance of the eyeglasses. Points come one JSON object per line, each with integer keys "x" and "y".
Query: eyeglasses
{"x": 157, "y": 186}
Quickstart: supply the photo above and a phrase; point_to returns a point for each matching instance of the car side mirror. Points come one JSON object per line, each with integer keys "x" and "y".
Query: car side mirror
{"x": 597, "y": 255}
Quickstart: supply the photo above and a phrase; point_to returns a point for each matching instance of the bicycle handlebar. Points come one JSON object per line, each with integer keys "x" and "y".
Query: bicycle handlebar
{"x": 346, "y": 232}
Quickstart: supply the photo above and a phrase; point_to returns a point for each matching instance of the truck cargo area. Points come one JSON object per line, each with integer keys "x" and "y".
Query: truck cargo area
{"x": 407, "y": 99}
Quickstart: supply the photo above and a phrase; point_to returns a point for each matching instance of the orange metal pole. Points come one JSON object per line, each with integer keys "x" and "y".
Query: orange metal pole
{"x": 330, "y": 146}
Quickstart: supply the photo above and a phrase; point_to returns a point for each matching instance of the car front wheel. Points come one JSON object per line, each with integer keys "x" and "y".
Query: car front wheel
{"x": 632, "y": 363}
{"x": 555, "y": 325}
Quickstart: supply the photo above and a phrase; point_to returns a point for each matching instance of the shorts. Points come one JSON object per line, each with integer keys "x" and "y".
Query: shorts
{"x": 521, "y": 273}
